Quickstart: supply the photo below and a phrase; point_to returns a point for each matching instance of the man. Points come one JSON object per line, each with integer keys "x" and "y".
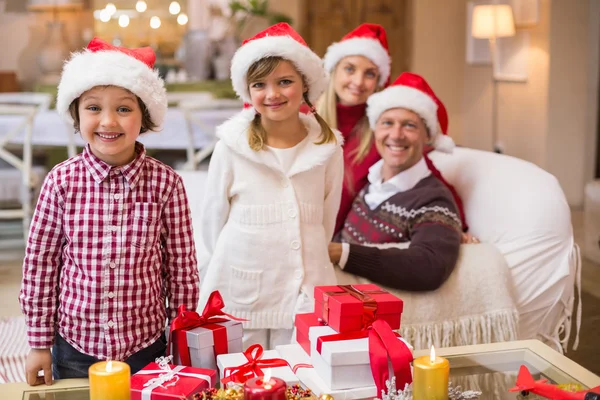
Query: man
{"x": 403, "y": 203}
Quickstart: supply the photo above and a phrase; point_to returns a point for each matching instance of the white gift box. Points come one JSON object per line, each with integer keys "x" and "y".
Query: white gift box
{"x": 202, "y": 345}
{"x": 237, "y": 359}
{"x": 309, "y": 377}
{"x": 342, "y": 364}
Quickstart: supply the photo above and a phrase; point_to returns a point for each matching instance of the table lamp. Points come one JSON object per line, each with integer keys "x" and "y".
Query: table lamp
{"x": 490, "y": 22}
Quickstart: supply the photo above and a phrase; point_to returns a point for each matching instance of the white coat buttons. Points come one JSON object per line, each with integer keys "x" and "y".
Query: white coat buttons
{"x": 295, "y": 244}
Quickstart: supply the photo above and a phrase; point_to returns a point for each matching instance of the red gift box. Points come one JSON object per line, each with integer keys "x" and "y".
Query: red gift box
{"x": 303, "y": 322}
{"x": 164, "y": 381}
{"x": 348, "y": 308}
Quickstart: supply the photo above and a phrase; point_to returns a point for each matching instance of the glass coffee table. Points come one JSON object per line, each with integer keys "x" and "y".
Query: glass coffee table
{"x": 490, "y": 368}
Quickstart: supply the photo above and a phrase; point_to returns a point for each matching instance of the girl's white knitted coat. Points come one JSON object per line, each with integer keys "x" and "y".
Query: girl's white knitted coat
{"x": 265, "y": 232}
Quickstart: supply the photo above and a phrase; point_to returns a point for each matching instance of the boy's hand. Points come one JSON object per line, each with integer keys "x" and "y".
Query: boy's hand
{"x": 39, "y": 360}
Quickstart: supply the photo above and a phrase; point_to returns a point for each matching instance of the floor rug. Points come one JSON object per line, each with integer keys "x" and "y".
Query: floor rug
{"x": 13, "y": 349}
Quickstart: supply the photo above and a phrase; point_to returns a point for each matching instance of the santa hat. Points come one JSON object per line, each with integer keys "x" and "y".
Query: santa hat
{"x": 279, "y": 40}
{"x": 412, "y": 92}
{"x": 368, "y": 40}
{"x": 102, "y": 64}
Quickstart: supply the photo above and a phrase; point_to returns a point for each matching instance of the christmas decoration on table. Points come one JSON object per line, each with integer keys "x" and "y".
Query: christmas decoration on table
{"x": 160, "y": 381}
{"x": 236, "y": 392}
{"x": 198, "y": 339}
{"x": 454, "y": 393}
{"x": 526, "y": 384}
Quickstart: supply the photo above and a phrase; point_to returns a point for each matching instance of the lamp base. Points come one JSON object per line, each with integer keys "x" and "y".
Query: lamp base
{"x": 53, "y": 51}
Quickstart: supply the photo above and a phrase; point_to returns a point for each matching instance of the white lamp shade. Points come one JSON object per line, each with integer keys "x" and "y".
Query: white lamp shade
{"x": 492, "y": 21}
{"x": 49, "y": 5}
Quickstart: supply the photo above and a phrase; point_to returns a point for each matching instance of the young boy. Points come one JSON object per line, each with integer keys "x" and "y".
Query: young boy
{"x": 110, "y": 254}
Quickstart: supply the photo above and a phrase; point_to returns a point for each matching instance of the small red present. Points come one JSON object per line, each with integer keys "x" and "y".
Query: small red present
{"x": 164, "y": 381}
{"x": 303, "y": 322}
{"x": 348, "y": 308}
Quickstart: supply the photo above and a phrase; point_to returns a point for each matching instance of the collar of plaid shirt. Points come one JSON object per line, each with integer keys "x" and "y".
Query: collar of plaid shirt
{"x": 100, "y": 170}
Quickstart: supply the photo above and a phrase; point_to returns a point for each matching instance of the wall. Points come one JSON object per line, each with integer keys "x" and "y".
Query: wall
{"x": 438, "y": 53}
{"x": 549, "y": 120}
{"x": 567, "y": 96}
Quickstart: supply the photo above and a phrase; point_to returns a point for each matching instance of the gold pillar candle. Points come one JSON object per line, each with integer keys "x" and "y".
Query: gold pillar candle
{"x": 109, "y": 380}
{"x": 430, "y": 377}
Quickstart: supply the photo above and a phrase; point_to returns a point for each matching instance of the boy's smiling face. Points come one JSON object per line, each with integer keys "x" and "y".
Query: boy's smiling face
{"x": 110, "y": 121}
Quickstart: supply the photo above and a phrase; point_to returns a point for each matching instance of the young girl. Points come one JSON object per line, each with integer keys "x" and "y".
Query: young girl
{"x": 359, "y": 65}
{"x": 110, "y": 254}
{"x": 275, "y": 179}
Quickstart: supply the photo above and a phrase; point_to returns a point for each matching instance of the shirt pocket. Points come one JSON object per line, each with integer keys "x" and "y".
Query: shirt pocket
{"x": 145, "y": 224}
{"x": 244, "y": 285}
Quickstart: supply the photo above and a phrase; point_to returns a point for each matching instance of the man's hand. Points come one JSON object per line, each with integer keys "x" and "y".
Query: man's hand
{"x": 335, "y": 252}
{"x": 39, "y": 360}
{"x": 468, "y": 238}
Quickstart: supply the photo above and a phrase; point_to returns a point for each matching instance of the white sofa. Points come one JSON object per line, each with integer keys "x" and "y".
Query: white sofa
{"x": 522, "y": 210}
{"x": 515, "y": 208}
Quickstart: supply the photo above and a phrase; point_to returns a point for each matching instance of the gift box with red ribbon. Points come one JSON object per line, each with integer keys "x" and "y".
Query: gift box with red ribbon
{"x": 348, "y": 308}
{"x": 203, "y": 342}
{"x": 359, "y": 359}
{"x": 239, "y": 367}
{"x": 196, "y": 339}
{"x": 309, "y": 377}
{"x": 163, "y": 381}
{"x": 303, "y": 322}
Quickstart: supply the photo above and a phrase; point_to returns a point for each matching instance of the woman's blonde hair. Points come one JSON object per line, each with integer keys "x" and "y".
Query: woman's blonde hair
{"x": 256, "y": 133}
{"x": 327, "y": 107}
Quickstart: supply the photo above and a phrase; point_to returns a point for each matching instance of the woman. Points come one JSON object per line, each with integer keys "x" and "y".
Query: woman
{"x": 360, "y": 65}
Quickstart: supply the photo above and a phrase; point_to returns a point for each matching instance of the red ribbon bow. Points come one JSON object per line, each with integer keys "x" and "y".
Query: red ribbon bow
{"x": 186, "y": 320}
{"x": 383, "y": 345}
{"x": 253, "y": 367}
{"x": 369, "y": 303}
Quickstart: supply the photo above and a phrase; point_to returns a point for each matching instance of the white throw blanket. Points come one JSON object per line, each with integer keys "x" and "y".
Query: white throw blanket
{"x": 474, "y": 306}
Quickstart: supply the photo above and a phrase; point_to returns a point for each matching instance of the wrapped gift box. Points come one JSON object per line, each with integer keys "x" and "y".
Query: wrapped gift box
{"x": 309, "y": 377}
{"x": 188, "y": 380}
{"x": 238, "y": 359}
{"x": 342, "y": 364}
{"x": 344, "y": 312}
{"x": 201, "y": 343}
{"x": 303, "y": 322}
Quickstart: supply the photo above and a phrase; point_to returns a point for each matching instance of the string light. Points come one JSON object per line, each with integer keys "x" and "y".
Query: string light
{"x": 141, "y": 6}
{"x": 182, "y": 19}
{"x": 104, "y": 15}
{"x": 123, "y": 20}
{"x": 111, "y": 9}
{"x": 174, "y": 8}
{"x": 155, "y": 22}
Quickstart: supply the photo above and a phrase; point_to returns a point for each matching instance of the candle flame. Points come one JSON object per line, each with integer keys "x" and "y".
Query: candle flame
{"x": 109, "y": 366}
{"x": 432, "y": 354}
{"x": 267, "y": 377}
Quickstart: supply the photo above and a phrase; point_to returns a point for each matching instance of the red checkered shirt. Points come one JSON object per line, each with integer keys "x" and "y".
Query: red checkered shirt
{"x": 110, "y": 256}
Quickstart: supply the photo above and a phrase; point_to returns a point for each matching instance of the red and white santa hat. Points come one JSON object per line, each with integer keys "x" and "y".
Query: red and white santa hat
{"x": 279, "y": 40}
{"x": 367, "y": 40}
{"x": 411, "y": 91}
{"x": 102, "y": 64}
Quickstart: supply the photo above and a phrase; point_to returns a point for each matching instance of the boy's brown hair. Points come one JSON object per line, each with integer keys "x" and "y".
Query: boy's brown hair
{"x": 147, "y": 123}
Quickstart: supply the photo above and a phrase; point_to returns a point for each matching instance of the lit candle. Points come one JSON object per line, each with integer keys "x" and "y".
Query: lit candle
{"x": 109, "y": 378}
{"x": 430, "y": 377}
{"x": 265, "y": 388}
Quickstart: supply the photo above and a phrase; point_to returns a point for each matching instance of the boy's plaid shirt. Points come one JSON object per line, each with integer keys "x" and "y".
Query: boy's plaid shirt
{"x": 108, "y": 249}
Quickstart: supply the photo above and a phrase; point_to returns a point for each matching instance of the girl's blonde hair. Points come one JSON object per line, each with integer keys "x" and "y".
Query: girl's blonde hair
{"x": 327, "y": 107}
{"x": 257, "y": 135}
